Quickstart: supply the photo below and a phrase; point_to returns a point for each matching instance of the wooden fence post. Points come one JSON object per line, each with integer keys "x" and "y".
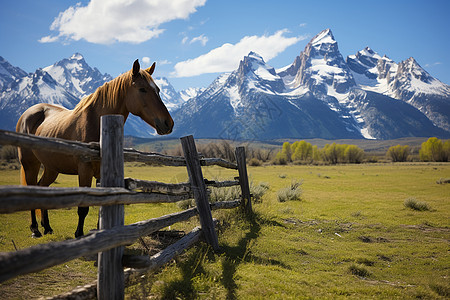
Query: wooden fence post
{"x": 199, "y": 188}
{"x": 110, "y": 284}
{"x": 243, "y": 179}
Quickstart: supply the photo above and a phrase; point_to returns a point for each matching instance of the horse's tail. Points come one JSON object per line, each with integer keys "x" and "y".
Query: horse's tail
{"x": 23, "y": 180}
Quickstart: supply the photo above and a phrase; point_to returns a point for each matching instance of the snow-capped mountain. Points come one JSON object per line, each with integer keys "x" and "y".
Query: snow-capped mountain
{"x": 29, "y": 90}
{"x": 189, "y": 93}
{"x": 253, "y": 102}
{"x": 406, "y": 81}
{"x": 320, "y": 95}
{"x": 9, "y": 73}
{"x": 76, "y": 76}
{"x": 320, "y": 68}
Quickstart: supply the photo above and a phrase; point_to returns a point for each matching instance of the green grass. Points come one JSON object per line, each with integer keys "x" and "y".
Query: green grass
{"x": 350, "y": 236}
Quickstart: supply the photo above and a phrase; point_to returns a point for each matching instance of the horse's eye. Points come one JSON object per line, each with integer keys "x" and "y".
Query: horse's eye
{"x": 142, "y": 90}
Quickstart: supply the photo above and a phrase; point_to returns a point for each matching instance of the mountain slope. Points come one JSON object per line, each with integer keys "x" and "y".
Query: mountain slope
{"x": 249, "y": 103}
{"x": 76, "y": 76}
{"x": 38, "y": 87}
{"x": 406, "y": 81}
{"x": 9, "y": 73}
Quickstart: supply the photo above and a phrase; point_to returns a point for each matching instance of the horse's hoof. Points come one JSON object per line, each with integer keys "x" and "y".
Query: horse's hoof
{"x": 36, "y": 234}
{"x": 78, "y": 234}
{"x": 50, "y": 231}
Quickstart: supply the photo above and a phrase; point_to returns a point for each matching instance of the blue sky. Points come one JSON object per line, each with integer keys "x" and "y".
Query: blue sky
{"x": 193, "y": 41}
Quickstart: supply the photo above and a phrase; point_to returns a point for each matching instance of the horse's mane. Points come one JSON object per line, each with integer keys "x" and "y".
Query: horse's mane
{"x": 108, "y": 94}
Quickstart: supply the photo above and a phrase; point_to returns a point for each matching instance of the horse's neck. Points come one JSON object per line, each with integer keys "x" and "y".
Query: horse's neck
{"x": 100, "y": 107}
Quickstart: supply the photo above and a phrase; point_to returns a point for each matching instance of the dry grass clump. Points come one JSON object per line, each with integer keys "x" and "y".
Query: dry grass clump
{"x": 290, "y": 193}
{"x": 414, "y": 204}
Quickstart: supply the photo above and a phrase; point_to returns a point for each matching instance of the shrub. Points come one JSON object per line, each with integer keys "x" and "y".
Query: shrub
{"x": 412, "y": 203}
{"x": 353, "y": 154}
{"x": 258, "y": 190}
{"x": 280, "y": 159}
{"x": 254, "y": 162}
{"x": 398, "y": 153}
{"x": 8, "y": 153}
{"x": 224, "y": 194}
{"x": 293, "y": 192}
{"x": 358, "y": 270}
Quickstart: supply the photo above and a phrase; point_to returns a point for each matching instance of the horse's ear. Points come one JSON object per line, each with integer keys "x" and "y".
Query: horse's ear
{"x": 151, "y": 69}
{"x": 136, "y": 67}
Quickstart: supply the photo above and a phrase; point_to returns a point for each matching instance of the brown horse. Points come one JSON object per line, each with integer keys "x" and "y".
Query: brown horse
{"x": 134, "y": 91}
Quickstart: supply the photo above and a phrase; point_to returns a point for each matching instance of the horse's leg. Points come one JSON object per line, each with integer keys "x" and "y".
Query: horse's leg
{"x": 47, "y": 178}
{"x": 28, "y": 176}
{"x": 85, "y": 174}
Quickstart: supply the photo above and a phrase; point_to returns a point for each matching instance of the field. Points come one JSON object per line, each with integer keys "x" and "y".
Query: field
{"x": 350, "y": 236}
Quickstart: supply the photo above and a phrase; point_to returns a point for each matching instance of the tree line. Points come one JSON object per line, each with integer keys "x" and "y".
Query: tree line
{"x": 304, "y": 152}
{"x": 433, "y": 149}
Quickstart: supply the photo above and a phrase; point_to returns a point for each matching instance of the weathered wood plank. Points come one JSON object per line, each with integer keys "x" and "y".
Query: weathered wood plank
{"x": 85, "y": 150}
{"x": 22, "y": 198}
{"x": 171, "y": 188}
{"x": 159, "y": 187}
{"x": 91, "y": 151}
{"x": 243, "y": 179}
{"x": 44, "y": 256}
{"x": 164, "y": 256}
{"x": 110, "y": 280}
{"x": 199, "y": 188}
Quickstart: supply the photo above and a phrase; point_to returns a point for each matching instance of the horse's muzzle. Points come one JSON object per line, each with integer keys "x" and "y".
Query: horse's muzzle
{"x": 164, "y": 126}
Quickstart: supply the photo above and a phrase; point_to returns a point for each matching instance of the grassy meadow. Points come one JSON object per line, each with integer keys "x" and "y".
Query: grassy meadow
{"x": 349, "y": 236}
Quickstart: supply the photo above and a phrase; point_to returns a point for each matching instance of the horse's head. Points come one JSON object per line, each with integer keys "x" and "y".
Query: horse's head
{"x": 143, "y": 100}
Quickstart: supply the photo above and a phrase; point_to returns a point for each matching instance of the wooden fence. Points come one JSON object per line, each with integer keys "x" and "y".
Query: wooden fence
{"x": 115, "y": 191}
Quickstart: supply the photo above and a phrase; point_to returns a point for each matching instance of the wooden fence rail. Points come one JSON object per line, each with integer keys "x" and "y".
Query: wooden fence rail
{"x": 91, "y": 151}
{"x": 115, "y": 191}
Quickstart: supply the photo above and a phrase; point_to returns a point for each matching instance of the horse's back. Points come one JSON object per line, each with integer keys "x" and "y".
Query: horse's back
{"x": 33, "y": 117}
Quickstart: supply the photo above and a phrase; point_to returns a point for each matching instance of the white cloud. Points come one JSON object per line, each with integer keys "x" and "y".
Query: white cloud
{"x": 132, "y": 21}
{"x": 202, "y": 39}
{"x": 164, "y": 62}
{"x": 226, "y": 57}
{"x": 433, "y": 64}
{"x": 146, "y": 60}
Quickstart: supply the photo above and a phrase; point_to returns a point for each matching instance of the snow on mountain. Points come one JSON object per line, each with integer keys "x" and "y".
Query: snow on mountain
{"x": 318, "y": 95}
{"x": 9, "y": 73}
{"x": 38, "y": 87}
{"x": 406, "y": 81}
{"x": 77, "y": 76}
{"x": 171, "y": 98}
{"x": 189, "y": 93}
{"x": 320, "y": 68}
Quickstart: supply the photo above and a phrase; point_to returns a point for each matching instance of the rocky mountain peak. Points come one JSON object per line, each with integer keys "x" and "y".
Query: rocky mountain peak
{"x": 77, "y": 76}
{"x": 321, "y": 66}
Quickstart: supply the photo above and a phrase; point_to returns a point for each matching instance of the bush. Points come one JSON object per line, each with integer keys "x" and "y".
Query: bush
{"x": 258, "y": 190}
{"x": 358, "y": 271}
{"x": 8, "y": 153}
{"x": 280, "y": 159}
{"x": 224, "y": 194}
{"x": 293, "y": 192}
{"x": 398, "y": 153}
{"x": 254, "y": 162}
{"x": 412, "y": 203}
{"x": 353, "y": 154}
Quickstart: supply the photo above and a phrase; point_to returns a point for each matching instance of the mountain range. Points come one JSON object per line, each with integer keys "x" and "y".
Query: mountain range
{"x": 319, "y": 95}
